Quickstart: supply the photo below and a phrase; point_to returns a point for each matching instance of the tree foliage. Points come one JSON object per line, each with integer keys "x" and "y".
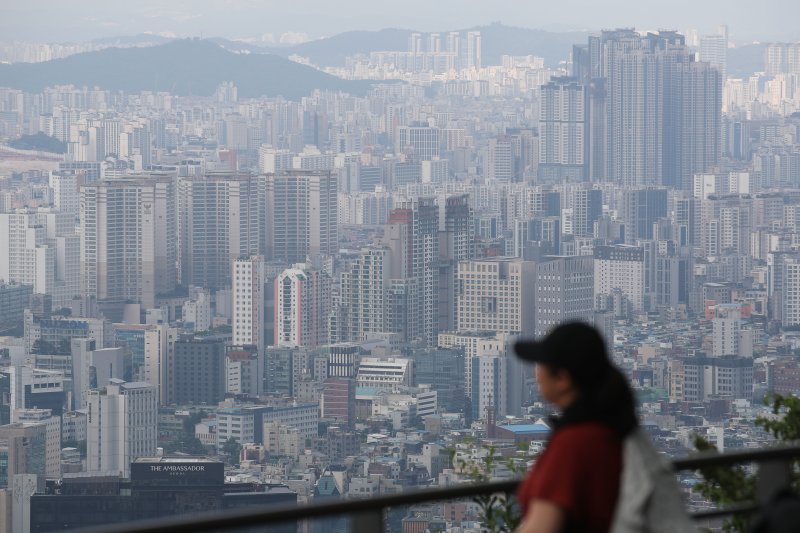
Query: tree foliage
{"x": 727, "y": 485}
{"x": 499, "y": 512}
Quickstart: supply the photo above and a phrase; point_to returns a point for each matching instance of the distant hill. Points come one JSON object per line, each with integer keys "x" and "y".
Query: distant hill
{"x": 744, "y": 60}
{"x": 183, "y": 67}
{"x": 499, "y": 40}
{"x": 332, "y": 51}
{"x": 39, "y": 141}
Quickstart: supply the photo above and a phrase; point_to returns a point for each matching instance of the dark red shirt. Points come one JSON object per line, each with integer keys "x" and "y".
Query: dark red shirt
{"x": 580, "y": 472}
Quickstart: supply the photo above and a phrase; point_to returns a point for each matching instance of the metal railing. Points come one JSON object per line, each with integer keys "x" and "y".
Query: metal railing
{"x": 367, "y": 515}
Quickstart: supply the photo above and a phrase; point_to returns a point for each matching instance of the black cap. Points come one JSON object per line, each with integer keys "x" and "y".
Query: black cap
{"x": 574, "y": 346}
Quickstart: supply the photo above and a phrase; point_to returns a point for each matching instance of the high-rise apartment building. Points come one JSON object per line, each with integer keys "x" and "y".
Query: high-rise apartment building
{"x": 222, "y": 217}
{"x": 412, "y": 235}
{"x": 301, "y": 215}
{"x": 363, "y": 289}
{"x": 39, "y": 248}
{"x": 456, "y": 243}
{"x": 654, "y": 111}
{"x": 122, "y": 424}
{"x": 128, "y": 249}
{"x": 562, "y": 131}
{"x": 247, "y": 304}
{"x": 302, "y": 306}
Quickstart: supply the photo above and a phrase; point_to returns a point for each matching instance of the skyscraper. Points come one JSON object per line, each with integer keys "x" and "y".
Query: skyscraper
{"x": 302, "y": 305}
{"x": 128, "y": 238}
{"x": 653, "y": 110}
{"x": 248, "y": 302}
{"x": 301, "y": 215}
{"x": 412, "y": 234}
{"x": 562, "y": 131}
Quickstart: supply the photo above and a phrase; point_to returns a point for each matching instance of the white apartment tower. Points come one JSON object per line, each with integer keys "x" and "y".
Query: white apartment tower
{"x": 247, "y": 295}
{"x": 302, "y": 306}
{"x": 128, "y": 238}
{"x": 122, "y": 424}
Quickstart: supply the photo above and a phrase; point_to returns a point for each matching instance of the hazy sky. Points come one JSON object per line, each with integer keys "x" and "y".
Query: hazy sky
{"x": 58, "y": 21}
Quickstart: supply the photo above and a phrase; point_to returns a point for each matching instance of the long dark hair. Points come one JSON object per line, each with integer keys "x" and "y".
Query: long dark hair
{"x": 608, "y": 400}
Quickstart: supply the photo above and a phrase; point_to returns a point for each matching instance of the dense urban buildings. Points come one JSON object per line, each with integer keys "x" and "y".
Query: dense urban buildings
{"x": 211, "y": 299}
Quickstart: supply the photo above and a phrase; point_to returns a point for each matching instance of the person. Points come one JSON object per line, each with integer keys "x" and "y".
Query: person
{"x": 575, "y": 482}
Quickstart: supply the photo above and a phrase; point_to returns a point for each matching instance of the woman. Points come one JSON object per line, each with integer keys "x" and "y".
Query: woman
{"x": 575, "y": 482}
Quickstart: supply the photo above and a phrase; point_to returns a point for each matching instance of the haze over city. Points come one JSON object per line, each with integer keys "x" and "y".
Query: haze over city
{"x": 253, "y": 19}
{"x": 540, "y": 260}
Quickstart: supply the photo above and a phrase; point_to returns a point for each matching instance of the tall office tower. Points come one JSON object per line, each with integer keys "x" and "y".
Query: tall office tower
{"x": 562, "y": 127}
{"x": 199, "y": 371}
{"x": 640, "y": 209}
{"x": 412, "y": 234}
{"x": 159, "y": 361}
{"x": 122, "y": 424}
{"x": 496, "y": 295}
{"x": 40, "y": 248}
{"x": 301, "y": 215}
{"x": 419, "y": 141}
{"x": 363, "y": 295}
{"x": 221, "y": 217}
{"x": 563, "y": 291}
{"x": 619, "y": 269}
{"x": 661, "y": 119}
{"x": 302, "y": 307}
{"x": 500, "y": 161}
{"x": 128, "y": 238}
{"x": 714, "y": 50}
{"x": 587, "y": 207}
{"x": 248, "y": 302}
{"x": 456, "y": 243}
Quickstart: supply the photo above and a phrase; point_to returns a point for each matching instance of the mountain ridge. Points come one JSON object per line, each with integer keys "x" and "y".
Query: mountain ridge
{"x": 182, "y": 67}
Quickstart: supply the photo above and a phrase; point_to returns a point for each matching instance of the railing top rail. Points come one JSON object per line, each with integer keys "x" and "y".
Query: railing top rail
{"x": 713, "y": 458}
{"x": 276, "y": 513}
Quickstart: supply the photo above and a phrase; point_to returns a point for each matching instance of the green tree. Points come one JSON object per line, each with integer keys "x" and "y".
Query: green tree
{"x": 726, "y": 485}
{"x": 232, "y": 449}
{"x": 499, "y": 512}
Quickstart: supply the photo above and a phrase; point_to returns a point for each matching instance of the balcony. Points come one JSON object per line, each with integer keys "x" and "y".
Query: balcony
{"x": 774, "y": 472}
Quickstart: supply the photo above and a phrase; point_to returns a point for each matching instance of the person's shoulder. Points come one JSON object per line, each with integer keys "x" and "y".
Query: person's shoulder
{"x": 585, "y": 432}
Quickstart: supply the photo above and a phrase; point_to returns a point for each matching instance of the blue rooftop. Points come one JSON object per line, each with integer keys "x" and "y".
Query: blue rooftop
{"x": 526, "y": 428}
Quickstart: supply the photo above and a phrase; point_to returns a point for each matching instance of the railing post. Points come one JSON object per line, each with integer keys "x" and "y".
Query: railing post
{"x": 773, "y": 476}
{"x": 367, "y": 521}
